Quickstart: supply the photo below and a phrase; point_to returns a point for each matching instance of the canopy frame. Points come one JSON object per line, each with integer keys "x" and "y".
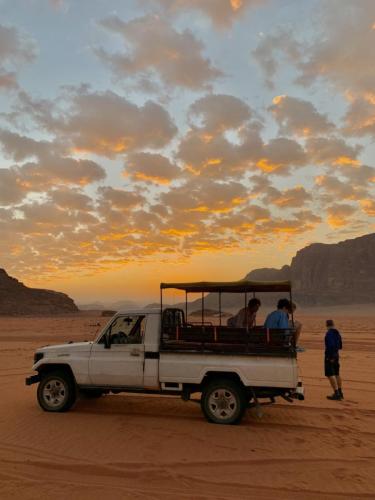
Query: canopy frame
{"x": 243, "y": 286}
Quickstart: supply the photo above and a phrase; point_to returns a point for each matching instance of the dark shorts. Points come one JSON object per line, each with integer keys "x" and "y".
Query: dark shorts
{"x": 331, "y": 368}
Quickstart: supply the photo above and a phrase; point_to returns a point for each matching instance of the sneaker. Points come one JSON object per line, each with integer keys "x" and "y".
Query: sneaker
{"x": 341, "y": 393}
{"x": 335, "y": 396}
{"x": 300, "y": 348}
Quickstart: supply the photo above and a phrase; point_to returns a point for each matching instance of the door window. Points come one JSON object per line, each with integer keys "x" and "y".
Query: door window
{"x": 127, "y": 329}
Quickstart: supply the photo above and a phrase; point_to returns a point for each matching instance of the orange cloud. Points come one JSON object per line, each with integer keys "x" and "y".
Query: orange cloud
{"x": 267, "y": 166}
{"x": 236, "y": 4}
{"x": 368, "y": 206}
{"x": 278, "y": 99}
{"x": 345, "y": 160}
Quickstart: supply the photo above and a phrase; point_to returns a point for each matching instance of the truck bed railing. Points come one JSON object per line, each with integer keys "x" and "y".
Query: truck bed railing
{"x": 214, "y": 338}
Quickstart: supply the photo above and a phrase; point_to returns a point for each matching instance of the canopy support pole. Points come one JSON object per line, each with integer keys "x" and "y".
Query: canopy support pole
{"x": 291, "y": 306}
{"x": 220, "y": 308}
{"x": 202, "y": 308}
{"x": 186, "y": 301}
{"x": 161, "y": 302}
{"x": 246, "y": 312}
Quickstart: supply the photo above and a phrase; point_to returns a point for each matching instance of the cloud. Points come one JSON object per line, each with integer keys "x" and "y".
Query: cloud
{"x": 47, "y": 167}
{"x": 302, "y": 222}
{"x": 103, "y": 123}
{"x": 222, "y": 13}
{"x": 368, "y": 206}
{"x": 213, "y": 155}
{"x": 296, "y": 197}
{"x": 296, "y": 116}
{"x": 107, "y": 124}
{"x": 19, "y": 147}
{"x": 360, "y": 117}
{"x": 119, "y": 199}
{"x": 265, "y": 53}
{"x": 153, "y": 168}
{"x": 218, "y": 113}
{"x": 16, "y": 48}
{"x": 8, "y": 80}
{"x": 10, "y": 190}
{"x": 209, "y": 155}
{"x": 52, "y": 170}
{"x": 59, "y": 4}
{"x": 281, "y": 154}
{"x": 72, "y": 199}
{"x": 341, "y": 54}
{"x": 335, "y": 188}
{"x": 332, "y": 150}
{"x": 339, "y": 214}
{"x": 47, "y": 218}
{"x": 153, "y": 46}
{"x": 205, "y": 196}
{"x": 345, "y": 55}
{"x": 17, "y": 182}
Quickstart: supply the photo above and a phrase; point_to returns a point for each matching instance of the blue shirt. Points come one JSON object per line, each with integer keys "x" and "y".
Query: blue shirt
{"x": 277, "y": 319}
{"x": 333, "y": 343}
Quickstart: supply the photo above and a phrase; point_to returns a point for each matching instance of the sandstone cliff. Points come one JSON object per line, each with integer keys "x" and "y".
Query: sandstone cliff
{"x": 330, "y": 274}
{"x": 342, "y": 273}
{"x": 18, "y": 299}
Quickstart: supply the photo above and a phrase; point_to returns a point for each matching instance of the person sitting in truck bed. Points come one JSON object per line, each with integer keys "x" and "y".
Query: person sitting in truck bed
{"x": 279, "y": 318}
{"x": 246, "y": 317}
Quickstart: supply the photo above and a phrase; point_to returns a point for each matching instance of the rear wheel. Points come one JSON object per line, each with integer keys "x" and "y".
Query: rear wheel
{"x": 56, "y": 391}
{"x": 223, "y": 402}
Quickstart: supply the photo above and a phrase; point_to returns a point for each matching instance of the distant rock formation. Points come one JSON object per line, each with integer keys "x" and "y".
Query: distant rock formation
{"x": 329, "y": 274}
{"x": 321, "y": 274}
{"x": 341, "y": 273}
{"x": 17, "y": 299}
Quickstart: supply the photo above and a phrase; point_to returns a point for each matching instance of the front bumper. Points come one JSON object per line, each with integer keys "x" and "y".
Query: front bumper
{"x": 33, "y": 379}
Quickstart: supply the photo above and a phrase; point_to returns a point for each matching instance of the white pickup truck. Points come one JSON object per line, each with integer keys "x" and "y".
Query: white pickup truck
{"x": 158, "y": 351}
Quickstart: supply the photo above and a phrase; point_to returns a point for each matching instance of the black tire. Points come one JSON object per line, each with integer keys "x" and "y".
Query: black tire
{"x": 223, "y": 402}
{"x": 56, "y": 391}
{"x": 91, "y": 393}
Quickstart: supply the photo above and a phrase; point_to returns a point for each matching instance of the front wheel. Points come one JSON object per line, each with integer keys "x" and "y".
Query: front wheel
{"x": 223, "y": 402}
{"x": 56, "y": 391}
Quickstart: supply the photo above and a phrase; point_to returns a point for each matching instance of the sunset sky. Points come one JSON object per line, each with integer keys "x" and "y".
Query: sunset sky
{"x": 178, "y": 140}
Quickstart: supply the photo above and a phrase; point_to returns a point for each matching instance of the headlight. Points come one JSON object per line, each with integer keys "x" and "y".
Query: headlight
{"x": 38, "y": 356}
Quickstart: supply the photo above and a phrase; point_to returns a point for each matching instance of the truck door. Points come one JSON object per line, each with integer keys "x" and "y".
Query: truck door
{"x": 121, "y": 363}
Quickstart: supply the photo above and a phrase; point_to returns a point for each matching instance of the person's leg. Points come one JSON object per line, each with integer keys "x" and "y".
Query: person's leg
{"x": 332, "y": 371}
{"x": 333, "y": 383}
{"x": 339, "y": 386}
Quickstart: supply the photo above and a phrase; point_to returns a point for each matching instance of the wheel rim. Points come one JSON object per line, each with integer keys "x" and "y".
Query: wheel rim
{"x": 222, "y": 404}
{"x": 54, "y": 392}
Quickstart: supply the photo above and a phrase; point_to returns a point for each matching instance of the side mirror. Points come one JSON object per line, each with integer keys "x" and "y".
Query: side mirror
{"x": 107, "y": 341}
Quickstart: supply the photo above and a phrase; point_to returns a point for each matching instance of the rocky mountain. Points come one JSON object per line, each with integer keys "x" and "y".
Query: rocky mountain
{"x": 341, "y": 273}
{"x": 321, "y": 274}
{"x": 18, "y": 299}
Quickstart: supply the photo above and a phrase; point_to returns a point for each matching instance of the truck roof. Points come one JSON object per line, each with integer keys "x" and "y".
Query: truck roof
{"x": 241, "y": 286}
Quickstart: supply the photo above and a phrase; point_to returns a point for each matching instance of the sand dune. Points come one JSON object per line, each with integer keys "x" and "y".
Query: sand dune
{"x": 140, "y": 447}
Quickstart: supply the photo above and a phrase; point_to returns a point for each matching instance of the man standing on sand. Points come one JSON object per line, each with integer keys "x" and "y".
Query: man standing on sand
{"x": 333, "y": 344}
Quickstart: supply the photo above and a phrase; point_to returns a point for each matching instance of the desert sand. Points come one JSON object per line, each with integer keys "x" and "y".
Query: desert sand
{"x": 131, "y": 446}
